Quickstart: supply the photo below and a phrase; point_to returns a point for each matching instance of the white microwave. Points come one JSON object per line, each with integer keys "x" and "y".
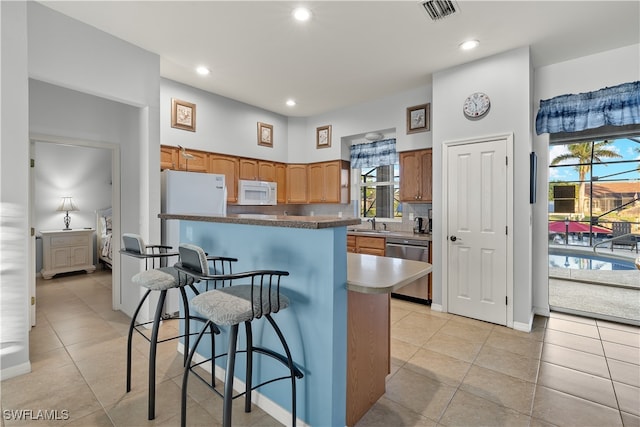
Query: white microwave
{"x": 257, "y": 192}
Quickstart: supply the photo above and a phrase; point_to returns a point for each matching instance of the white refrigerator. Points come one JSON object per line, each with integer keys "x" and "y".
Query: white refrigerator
{"x": 188, "y": 193}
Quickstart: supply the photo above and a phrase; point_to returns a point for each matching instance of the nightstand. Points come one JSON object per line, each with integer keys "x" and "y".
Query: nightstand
{"x": 67, "y": 250}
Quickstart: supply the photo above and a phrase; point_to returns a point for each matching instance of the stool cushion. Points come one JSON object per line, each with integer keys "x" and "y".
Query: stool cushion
{"x": 160, "y": 279}
{"x": 232, "y": 305}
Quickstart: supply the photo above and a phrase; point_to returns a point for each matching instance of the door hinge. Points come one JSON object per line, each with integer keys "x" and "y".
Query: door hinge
{"x": 506, "y": 300}
{"x": 506, "y": 161}
{"x": 506, "y": 230}
{"x": 32, "y": 163}
{"x": 33, "y": 300}
{"x": 33, "y": 231}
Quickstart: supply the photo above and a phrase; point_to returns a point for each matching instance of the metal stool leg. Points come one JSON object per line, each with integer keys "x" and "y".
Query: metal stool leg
{"x": 130, "y": 338}
{"x": 152, "y": 355}
{"x": 228, "y": 382}
{"x": 248, "y": 381}
{"x": 289, "y": 365}
{"x": 187, "y": 324}
{"x": 185, "y": 377}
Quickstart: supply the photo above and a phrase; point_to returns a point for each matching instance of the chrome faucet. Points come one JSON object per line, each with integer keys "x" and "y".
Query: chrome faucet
{"x": 373, "y": 222}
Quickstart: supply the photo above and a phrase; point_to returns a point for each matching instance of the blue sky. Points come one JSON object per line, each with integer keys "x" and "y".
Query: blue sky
{"x": 624, "y": 147}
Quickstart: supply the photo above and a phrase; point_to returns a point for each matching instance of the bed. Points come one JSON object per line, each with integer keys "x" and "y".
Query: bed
{"x": 103, "y": 236}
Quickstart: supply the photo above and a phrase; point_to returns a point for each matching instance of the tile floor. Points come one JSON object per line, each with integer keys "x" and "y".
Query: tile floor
{"x": 446, "y": 370}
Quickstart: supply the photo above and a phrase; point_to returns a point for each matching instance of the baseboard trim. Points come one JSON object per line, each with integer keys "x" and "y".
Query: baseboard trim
{"x": 436, "y": 307}
{"x": 269, "y": 406}
{"x": 524, "y": 327}
{"x": 14, "y": 371}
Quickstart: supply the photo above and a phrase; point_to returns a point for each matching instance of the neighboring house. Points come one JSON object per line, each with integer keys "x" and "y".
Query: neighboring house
{"x": 611, "y": 195}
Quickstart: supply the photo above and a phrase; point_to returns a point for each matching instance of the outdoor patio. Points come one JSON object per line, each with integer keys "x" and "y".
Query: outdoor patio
{"x": 612, "y": 294}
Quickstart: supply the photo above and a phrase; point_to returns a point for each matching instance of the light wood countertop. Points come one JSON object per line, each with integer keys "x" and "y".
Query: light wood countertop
{"x": 372, "y": 274}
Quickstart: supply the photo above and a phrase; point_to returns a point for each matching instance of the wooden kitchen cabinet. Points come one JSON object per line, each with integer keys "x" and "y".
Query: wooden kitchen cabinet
{"x": 416, "y": 176}
{"x": 228, "y": 166}
{"x": 257, "y": 170}
{"x": 168, "y": 157}
{"x": 199, "y": 162}
{"x": 248, "y": 169}
{"x": 281, "y": 180}
{"x": 296, "y": 183}
{"x": 172, "y": 158}
{"x": 64, "y": 251}
{"x": 329, "y": 182}
{"x": 367, "y": 245}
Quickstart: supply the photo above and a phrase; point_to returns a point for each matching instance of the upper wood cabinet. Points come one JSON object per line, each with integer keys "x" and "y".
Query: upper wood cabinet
{"x": 168, "y": 157}
{"x": 329, "y": 182}
{"x": 198, "y": 161}
{"x": 228, "y": 166}
{"x": 281, "y": 180}
{"x": 296, "y": 183}
{"x": 248, "y": 169}
{"x": 259, "y": 170}
{"x": 415, "y": 176}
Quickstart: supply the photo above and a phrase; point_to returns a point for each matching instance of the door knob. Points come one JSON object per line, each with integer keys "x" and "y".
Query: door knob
{"x": 453, "y": 238}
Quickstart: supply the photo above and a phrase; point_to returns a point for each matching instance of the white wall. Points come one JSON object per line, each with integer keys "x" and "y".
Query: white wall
{"x": 53, "y": 48}
{"x": 382, "y": 114}
{"x": 83, "y": 173}
{"x": 14, "y": 192}
{"x": 585, "y": 74}
{"x": 506, "y": 79}
{"x": 223, "y": 125}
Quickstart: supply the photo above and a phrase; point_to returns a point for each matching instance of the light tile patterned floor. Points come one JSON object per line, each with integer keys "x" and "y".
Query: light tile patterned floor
{"x": 446, "y": 370}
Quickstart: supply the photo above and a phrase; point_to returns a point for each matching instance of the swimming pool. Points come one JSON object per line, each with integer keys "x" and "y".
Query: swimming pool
{"x": 588, "y": 261}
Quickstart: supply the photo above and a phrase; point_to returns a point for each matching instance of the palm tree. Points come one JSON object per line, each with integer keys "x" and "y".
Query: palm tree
{"x": 582, "y": 153}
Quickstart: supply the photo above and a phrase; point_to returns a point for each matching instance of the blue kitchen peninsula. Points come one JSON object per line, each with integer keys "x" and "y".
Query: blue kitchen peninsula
{"x": 333, "y": 321}
{"x": 313, "y": 250}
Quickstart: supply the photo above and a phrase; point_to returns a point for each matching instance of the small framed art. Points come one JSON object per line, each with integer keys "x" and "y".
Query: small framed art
{"x": 418, "y": 119}
{"x": 183, "y": 115}
{"x": 323, "y": 136}
{"x": 265, "y": 134}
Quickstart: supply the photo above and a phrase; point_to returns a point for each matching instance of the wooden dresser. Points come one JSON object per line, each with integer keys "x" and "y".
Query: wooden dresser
{"x": 67, "y": 250}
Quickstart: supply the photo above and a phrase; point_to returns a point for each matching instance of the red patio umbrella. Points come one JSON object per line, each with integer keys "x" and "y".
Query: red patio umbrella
{"x": 576, "y": 227}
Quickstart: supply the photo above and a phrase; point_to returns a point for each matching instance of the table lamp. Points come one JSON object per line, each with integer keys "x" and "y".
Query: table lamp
{"x": 66, "y": 206}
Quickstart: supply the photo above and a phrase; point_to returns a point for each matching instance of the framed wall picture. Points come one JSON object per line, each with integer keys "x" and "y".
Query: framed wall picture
{"x": 323, "y": 136}
{"x": 183, "y": 115}
{"x": 418, "y": 118}
{"x": 265, "y": 134}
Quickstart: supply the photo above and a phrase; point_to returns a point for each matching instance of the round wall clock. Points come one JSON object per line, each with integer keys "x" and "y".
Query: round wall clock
{"x": 476, "y": 105}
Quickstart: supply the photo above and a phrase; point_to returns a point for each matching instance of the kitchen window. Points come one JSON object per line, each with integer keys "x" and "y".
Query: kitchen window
{"x": 378, "y": 168}
{"x": 379, "y": 189}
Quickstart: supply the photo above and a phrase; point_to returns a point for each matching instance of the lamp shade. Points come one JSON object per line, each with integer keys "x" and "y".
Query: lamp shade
{"x": 67, "y": 205}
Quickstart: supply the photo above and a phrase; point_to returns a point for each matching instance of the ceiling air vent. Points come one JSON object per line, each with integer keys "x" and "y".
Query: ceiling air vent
{"x": 438, "y": 9}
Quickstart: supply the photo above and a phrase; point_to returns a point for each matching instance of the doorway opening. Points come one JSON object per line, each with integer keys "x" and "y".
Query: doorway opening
{"x": 87, "y": 171}
{"x": 594, "y": 226}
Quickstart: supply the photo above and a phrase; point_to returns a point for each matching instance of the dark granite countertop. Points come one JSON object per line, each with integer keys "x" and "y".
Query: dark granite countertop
{"x": 290, "y": 221}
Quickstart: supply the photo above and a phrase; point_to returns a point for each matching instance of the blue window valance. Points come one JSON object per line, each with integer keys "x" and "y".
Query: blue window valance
{"x": 611, "y": 106}
{"x": 373, "y": 154}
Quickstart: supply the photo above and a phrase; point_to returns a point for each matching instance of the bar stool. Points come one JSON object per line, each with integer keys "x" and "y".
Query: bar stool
{"x": 231, "y": 304}
{"x": 159, "y": 278}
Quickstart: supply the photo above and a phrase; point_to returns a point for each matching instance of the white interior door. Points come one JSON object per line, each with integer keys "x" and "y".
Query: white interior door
{"x": 477, "y": 230}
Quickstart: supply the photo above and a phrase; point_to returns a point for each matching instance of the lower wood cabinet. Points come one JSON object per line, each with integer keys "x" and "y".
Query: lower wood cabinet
{"x": 64, "y": 251}
{"x": 366, "y": 245}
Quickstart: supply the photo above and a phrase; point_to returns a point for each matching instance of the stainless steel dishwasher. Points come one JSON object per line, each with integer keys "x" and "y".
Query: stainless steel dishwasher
{"x": 417, "y": 250}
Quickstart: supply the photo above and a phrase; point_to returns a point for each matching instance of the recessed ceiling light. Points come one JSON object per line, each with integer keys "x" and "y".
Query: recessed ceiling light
{"x": 203, "y": 71}
{"x": 469, "y": 44}
{"x": 302, "y": 14}
{"x": 291, "y": 102}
